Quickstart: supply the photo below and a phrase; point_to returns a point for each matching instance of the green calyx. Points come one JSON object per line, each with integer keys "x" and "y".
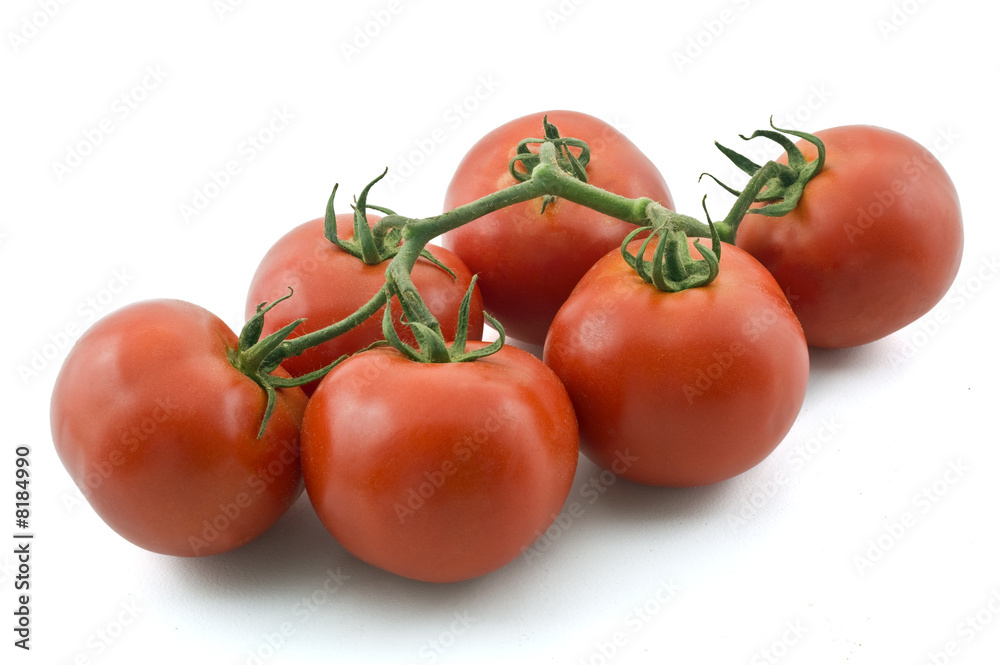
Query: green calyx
{"x": 783, "y": 188}
{"x": 431, "y": 344}
{"x": 672, "y": 269}
{"x": 779, "y": 186}
{"x": 569, "y": 161}
{"x": 257, "y": 358}
{"x": 368, "y": 244}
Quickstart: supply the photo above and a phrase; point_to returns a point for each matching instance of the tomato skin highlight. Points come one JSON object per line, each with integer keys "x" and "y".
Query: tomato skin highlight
{"x": 330, "y": 284}
{"x": 875, "y": 242}
{"x": 159, "y": 431}
{"x": 529, "y": 261}
{"x": 694, "y": 387}
{"x": 439, "y": 472}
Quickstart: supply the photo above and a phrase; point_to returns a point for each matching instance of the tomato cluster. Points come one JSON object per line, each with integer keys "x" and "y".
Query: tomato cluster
{"x": 361, "y": 375}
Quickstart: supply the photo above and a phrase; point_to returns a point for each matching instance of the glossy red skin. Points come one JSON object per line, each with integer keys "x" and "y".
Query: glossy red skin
{"x": 874, "y": 243}
{"x": 330, "y": 285}
{"x": 159, "y": 431}
{"x": 529, "y": 261}
{"x": 680, "y": 389}
{"x": 439, "y": 472}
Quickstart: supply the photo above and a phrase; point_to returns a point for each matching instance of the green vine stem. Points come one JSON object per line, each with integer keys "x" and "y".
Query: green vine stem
{"x": 548, "y": 178}
{"x": 415, "y": 234}
{"x": 555, "y": 171}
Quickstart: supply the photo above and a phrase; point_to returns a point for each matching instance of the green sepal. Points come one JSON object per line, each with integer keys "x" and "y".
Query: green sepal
{"x": 425, "y": 253}
{"x": 255, "y": 326}
{"x": 551, "y": 131}
{"x": 782, "y": 190}
{"x": 742, "y": 163}
{"x": 330, "y": 220}
{"x": 257, "y": 358}
{"x": 251, "y": 357}
{"x": 464, "y": 314}
{"x": 270, "y": 383}
{"x": 672, "y": 269}
{"x": 731, "y": 190}
{"x": 315, "y": 375}
{"x": 431, "y": 344}
{"x": 265, "y": 347}
{"x": 575, "y": 165}
{"x": 381, "y": 209}
{"x": 367, "y": 245}
{"x": 487, "y": 350}
{"x": 368, "y": 250}
{"x": 272, "y": 400}
{"x": 390, "y": 335}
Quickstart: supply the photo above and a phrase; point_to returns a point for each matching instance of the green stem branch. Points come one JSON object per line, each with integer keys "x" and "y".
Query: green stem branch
{"x": 297, "y": 345}
{"x": 547, "y": 179}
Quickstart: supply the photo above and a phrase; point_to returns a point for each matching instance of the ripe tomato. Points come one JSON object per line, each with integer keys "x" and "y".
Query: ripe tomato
{"x": 680, "y": 389}
{"x": 874, "y": 243}
{"x": 527, "y": 260}
{"x": 441, "y": 471}
{"x": 159, "y": 431}
{"x": 329, "y": 284}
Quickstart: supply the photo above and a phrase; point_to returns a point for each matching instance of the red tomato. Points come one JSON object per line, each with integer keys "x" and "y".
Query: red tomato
{"x": 330, "y": 284}
{"x": 680, "y": 389}
{"x": 441, "y": 471}
{"x": 529, "y": 261}
{"x": 874, "y": 243}
{"x": 159, "y": 431}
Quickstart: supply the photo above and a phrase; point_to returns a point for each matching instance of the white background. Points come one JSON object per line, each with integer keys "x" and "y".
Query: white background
{"x": 856, "y": 541}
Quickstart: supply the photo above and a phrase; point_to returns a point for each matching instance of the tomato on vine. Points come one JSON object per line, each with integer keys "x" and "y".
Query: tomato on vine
{"x": 874, "y": 242}
{"x": 439, "y": 470}
{"x": 156, "y": 414}
{"x": 696, "y": 384}
{"x": 521, "y": 252}
{"x": 331, "y": 281}
{"x": 439, "y": 457}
